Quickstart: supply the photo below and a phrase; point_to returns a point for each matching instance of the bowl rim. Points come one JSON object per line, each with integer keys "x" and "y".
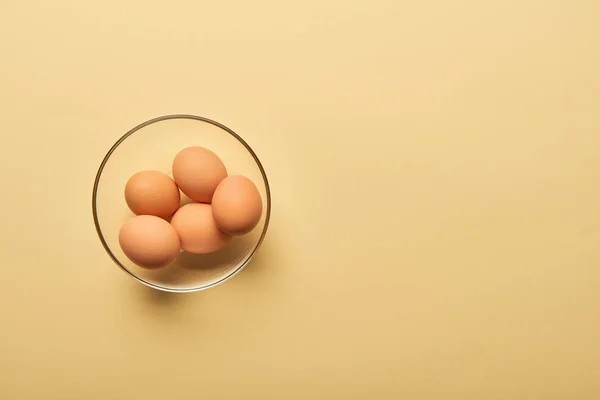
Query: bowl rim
{"x": 97, "y": 222}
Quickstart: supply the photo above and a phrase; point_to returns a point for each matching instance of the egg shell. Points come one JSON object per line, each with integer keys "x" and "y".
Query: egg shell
{"x": 149, "y": 241}
{"x": 152, "y": 193}
{"x": 197, "y": 229}
{"x": 197, "y": 171}
{"x": 237, "y": 205}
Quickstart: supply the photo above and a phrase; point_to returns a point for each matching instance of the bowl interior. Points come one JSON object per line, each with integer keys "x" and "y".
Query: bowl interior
{"x": 153, "y": 146}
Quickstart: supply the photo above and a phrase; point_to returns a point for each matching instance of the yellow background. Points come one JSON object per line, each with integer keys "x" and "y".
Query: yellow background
{"x": 435, "y": 169}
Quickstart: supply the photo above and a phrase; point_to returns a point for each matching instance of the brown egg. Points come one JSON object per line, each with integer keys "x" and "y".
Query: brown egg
{"x": 236, "y": 205}
{"x": 197, "y": 172}
{"x": 152, "y": 193}
{"x": 197, "y": 229}
{"x": 149, "y": 241}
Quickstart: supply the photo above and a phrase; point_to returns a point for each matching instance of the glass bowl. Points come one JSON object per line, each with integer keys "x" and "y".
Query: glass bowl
{"x": 153, "y": 145}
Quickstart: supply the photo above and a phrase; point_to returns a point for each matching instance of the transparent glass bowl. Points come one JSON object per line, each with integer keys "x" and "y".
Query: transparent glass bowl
{"x": 153, "y": 145}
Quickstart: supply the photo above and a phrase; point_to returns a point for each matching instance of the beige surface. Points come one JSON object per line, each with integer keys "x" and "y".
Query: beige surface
{"x": 435, "y": 169}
